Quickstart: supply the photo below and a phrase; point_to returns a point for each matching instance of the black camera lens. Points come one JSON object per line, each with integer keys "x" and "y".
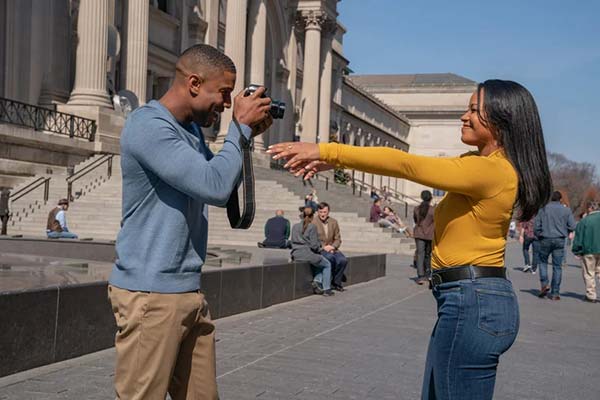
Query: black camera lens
{"x": 277, "y": 110}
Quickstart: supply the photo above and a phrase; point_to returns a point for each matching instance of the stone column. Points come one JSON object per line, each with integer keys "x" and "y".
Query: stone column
{"x": 325, "y": 95}
{"x": 212, "y": 17}
{"x": 257, "y": 36}
{"x": 136, "y": 53}
{"x": 290, "y": 114}
{"x": 235, "y": 48}
{"x": 310, "y": 82}
{"x": 91, "y": 59}
{"x": 55, "y": 84}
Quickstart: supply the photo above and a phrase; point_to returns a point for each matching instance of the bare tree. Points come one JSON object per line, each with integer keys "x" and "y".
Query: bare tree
{"x": 573, "y": 178}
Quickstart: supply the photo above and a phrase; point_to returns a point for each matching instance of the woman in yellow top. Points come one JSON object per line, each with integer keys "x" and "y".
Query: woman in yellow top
{"x": 478, "y": 313}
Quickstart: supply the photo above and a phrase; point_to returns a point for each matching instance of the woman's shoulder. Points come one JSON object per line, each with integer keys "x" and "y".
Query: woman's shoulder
{"x": 311, "y": 227}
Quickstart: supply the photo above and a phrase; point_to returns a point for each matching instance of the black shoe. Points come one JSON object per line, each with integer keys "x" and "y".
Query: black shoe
{"x": 544, "y": 291}
{"x": 339, "y": 288}
{"x": 328, "y": 293}
{"x": 316, "y": 288}
{"x": 590, "y": 300}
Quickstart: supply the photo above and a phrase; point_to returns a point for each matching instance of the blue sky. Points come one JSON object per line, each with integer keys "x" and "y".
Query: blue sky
{"x": 551, "y": 47}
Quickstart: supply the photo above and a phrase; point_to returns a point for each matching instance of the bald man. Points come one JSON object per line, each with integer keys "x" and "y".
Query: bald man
{"x": 277, "y": 232}
{"x": 165, "y": 340}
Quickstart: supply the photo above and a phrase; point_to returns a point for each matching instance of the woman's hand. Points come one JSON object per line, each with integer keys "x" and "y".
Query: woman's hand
{"x": 302, "y": 158}
{"x": 295, "y": 153}
{"x": 311, "y": 169}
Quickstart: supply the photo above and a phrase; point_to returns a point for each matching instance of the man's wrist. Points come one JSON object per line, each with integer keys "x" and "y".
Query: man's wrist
{"x": 244, "y": 132}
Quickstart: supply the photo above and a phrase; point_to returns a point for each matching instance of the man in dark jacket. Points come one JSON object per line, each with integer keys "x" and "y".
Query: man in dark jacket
{"x": 587, "y": 245}
{"x": 277, "y": 232}
{"x": 553, "y": 224}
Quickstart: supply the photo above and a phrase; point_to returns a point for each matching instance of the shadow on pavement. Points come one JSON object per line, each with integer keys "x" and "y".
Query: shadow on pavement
{"x": 573, "y": 295}
{"x": 533, "y": 292}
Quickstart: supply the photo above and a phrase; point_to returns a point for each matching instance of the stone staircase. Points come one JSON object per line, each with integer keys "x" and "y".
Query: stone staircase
{"x": 24, "y": 208}
{"x": 96, "y": 212}
{"x": 339, "y": 197}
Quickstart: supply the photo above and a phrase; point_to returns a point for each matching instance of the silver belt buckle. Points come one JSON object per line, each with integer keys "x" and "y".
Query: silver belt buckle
{"x": 436, "y": 280}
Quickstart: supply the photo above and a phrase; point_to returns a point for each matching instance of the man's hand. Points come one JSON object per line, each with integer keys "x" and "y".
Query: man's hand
{"x": 262, "y": 126}
{"x": 253, "y": 110}
{"x": 329, "y": 248}
{"x": 521, "y": 239}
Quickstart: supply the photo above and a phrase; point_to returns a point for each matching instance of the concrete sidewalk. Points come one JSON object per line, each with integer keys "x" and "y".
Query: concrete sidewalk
{"x": 366, "y": 343}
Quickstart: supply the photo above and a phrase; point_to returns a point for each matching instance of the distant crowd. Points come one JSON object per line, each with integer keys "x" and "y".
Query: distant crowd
{"x": 546, "y": 236}
{"x": 318, "y": 240}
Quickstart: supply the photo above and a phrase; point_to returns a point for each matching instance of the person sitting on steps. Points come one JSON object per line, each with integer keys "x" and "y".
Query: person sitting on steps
{"x": 307, "y": 247}
{"x": 57, "y": 228}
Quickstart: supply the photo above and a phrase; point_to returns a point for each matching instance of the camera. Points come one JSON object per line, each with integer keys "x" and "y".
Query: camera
{"x": 277, "y": 107}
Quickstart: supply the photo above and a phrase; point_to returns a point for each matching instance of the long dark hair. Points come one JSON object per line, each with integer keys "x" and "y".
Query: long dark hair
{"x": 512, "y": 115}
{"x": 423, "y": 208}
{"x": 307, "y": 217}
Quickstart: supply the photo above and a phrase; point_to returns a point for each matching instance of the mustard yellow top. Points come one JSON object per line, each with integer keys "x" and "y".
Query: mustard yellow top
{"x": 472, "y": 219}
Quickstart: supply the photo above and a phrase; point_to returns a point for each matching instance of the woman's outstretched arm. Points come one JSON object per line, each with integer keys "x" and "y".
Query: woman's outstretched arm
{"x": 471, "y": 175}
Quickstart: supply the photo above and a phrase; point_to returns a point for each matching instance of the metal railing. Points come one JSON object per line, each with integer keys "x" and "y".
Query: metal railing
{"x": 107, "y": 158}
{"x": 31, "y": 187}
{"x": 44, "y": 119}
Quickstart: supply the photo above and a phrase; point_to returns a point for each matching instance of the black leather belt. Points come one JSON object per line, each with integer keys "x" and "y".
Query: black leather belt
{"x": 452, "y": 274}
{"x": 233, "y": 204}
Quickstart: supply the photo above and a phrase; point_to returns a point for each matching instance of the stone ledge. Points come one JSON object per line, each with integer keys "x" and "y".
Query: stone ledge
{"x": 59, "y": 322}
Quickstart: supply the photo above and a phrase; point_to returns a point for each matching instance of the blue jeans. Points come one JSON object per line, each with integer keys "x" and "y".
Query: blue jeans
{"x": 556, "y": 248}
{"x": 323, "y": 274}
{"x": 535, "y": 245}
{"x": 423, "y": 258}
{"x": 478, "y": 320}
{"x": 338, "y": 265}
{"x": 61, "y": 235}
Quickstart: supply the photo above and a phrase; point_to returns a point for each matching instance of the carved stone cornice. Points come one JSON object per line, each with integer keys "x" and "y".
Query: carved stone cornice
{"x": 311, "y": 19}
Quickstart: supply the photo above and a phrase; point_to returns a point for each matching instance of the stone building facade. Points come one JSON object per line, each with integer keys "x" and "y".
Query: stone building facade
{"x": 433, "y": 105}
{"x": 72, "y": 55}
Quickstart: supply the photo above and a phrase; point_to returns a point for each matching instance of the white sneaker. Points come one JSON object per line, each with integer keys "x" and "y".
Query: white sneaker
{"x": 527, "y": 268}
{"x": 533, "y": 272}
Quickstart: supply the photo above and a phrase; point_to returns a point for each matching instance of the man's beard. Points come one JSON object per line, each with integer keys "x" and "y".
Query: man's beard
{"x": 209, "y": 119}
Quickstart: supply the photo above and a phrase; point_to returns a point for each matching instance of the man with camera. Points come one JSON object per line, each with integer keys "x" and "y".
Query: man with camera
{"x": 165, "y": 339}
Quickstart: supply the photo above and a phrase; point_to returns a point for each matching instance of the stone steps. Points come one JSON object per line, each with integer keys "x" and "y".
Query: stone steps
{"x": 97, "y": 213}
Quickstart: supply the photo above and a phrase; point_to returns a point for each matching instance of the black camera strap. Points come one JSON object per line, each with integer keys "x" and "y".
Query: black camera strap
{"x": 233, "y": 204}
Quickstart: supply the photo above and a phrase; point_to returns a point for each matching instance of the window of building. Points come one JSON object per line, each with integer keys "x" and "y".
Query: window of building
{"x": 162, "y": 5}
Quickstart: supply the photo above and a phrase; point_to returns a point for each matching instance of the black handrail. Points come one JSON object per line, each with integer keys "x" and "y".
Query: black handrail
{"x": 32, "y": 186}
{"x": 107, "y": 158}
{"x": 44, "y": 119}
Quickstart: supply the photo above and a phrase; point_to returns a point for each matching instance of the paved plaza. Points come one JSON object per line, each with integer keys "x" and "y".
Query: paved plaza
{"x": 366, "y": 343}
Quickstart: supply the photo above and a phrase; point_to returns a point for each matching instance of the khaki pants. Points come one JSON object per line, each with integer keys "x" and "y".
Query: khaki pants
{"x": 164, "y": 343}
{"x": 590, "y": 267}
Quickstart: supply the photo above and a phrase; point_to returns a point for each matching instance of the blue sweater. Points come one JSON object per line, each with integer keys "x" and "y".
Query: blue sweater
{"x": 169, "y": 178}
